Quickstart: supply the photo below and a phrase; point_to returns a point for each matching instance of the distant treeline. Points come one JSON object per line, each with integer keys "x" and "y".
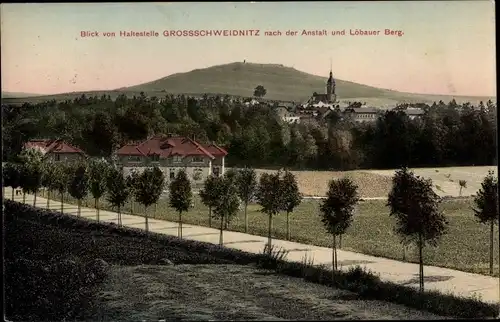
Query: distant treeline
{"x": 446, "y": 135}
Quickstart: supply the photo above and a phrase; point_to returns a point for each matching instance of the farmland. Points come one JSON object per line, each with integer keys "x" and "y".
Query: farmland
{"x": 465, "y": 247}
{"x": 377, "y": 183}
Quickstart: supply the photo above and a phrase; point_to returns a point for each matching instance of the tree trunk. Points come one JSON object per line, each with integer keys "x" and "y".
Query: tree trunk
{"x": 156, "y": 208}
{"x": 179, "y": 233}
{"x": 246, "y": 217}
{"x": 421, "y": 261}
{"x": 287, "y": 225}
{"x": 269, "y": 238}
{"x": 146, "y": 218}
{"x": 24, "y": 197}
{"x": 62, "y": 202}
{"x": 34, "y": 199}
{"x": 13, "y": 194}
{"x": 132, "y": 206}
{"x": 221, "y": 231}
{"x": 334, "y": 253}
{"x": 98, "y": 212}
{"x": 491, "y": 246}
{"x": 79, "y": 203}
{"x": 48, "y": 199}
{"x": 340, "y": 241}
{"x": 95, "y": 206}
{"x": 460, "y": 192}
{"x": 119, "y": 216}
{"x": 210, "y": 216}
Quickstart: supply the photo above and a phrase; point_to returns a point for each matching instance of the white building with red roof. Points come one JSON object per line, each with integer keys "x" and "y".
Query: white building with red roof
{"x": 57, "y": 150}
{"x": 173, "y": 153}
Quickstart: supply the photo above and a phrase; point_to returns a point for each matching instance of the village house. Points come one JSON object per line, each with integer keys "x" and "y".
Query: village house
{"x": 284, "y": 114}
{"x": 414, "y": 112}
{"x": 57, "y": 150}
{"x": 172, "y": 154}
{"x": 362, "y": 114}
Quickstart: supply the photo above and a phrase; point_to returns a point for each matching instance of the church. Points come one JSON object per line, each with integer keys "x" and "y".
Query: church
{"x": 329, "y": 98}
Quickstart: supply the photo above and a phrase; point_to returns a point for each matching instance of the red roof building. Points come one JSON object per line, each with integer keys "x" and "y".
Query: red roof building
{"x": 57, "y": 150}
{"x": 174, "y": 152}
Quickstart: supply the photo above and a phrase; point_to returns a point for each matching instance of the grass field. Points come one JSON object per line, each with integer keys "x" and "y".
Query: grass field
{"x": 232, "y": 292}
{"x": 378, "y": 183}
{"x": 465, "y": 247}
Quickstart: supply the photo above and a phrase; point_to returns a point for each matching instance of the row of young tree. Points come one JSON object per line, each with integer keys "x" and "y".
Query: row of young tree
{"x": 100, "y": 178}
{"x": 446, "y": 135}
{"x": 412, "y": 200}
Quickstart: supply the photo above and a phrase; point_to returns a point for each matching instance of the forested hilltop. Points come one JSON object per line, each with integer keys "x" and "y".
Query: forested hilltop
{"x": 446, "y": 135}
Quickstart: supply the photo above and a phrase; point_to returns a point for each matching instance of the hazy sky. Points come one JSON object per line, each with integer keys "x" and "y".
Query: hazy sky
{"x": 447, "y": 47}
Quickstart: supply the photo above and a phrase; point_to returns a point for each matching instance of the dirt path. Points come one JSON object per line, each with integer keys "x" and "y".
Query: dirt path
{"x": 230, "y": 292}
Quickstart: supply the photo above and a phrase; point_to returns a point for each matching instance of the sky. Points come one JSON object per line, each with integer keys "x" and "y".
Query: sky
{"x": 448, "y": 47}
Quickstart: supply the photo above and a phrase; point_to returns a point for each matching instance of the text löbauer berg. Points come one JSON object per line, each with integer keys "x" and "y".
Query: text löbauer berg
{"x": 242, "y": 33}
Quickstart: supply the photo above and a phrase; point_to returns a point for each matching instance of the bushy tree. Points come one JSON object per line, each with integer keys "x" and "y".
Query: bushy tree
{"x": 61, "y": 181}
{"x": 291, "y": 197}
{"x": 247, "y": 186}
{"x": 227, "y": 204}
{"x": 270, "y": 198}
{"x": 148, "y": 189}
{"x": 181, "y": 196}
{"x": 337, "y": 210}
{"x": 31, "y": 172}
{"x": 98, "y": 174}
{"x": 49, "y": 178}
{"x": 209, "y": 195}
{"x": 132, "y": 182}
{"x": 118, "y": 190}
{"x": 12, "y": 176}
{"x": 259, "y": 91}
{"x": 486, "y": 207}
{"x": 79, "y": 184}
{"x": 415, "y": 205}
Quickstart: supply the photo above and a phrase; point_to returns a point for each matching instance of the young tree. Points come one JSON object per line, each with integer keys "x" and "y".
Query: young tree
{"x": 49, "y": 178}
{"x": 148, "y": 189}
{"x": 31, "y": 172}
{"x": 246, "y": 185}
{"x": 486, "y": 210}
{"x": 209, "y": 195}
{"x": 337, "y": 210}
{"x": 462, "y": 184}
{"x": 270, "y": 198}
{"x": 79, "y": 184}
{"x": 61, "y": 180}
{"x": 118, "y": 190}
{"x": 227, "y": 203}
{"x": 180, "y": 196}
{"x": 12, "y": 176}
{"x": 132, "y": 182}
{"x": 415, "y": 206}
{"x": 291, "y": 197}
{"x": 98, "y": 174}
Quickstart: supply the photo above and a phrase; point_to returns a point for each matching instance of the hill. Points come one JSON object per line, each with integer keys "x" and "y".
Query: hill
{"x": 282, "y": 83}
{"x": 19, "y": 94}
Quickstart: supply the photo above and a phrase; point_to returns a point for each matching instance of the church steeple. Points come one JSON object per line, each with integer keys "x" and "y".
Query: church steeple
{"x": 330, "y": 86}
